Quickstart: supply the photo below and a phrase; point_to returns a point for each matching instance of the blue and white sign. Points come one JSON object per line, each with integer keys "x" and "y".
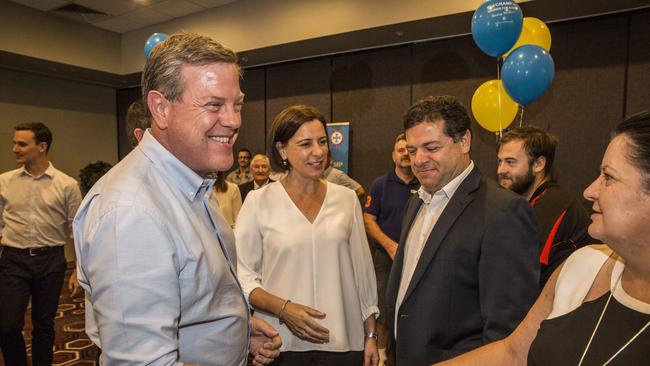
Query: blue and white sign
{"x": 338, "y": 134}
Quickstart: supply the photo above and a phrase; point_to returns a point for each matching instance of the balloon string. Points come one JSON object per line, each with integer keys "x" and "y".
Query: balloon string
{"x": 521, "y": 116}
{"x": 499, "y": 97}
{"x": 498, "y": 70}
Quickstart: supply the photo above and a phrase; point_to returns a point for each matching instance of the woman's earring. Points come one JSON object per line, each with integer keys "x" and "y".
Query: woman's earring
{"x": 284, "y": 162}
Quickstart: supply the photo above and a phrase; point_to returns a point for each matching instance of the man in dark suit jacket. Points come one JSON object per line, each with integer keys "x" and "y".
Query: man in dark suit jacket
{"x": 260, "y": 169}
{"x": 466, "y": 270}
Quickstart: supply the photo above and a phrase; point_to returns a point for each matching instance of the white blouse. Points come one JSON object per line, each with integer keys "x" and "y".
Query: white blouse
{"x": 228, "y": 202}
{"x": 325, "y": 265}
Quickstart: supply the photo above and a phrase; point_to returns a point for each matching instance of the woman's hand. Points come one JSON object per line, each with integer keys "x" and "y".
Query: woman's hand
{"x": 370, "y": 353}
{"x": 300, "y": 321}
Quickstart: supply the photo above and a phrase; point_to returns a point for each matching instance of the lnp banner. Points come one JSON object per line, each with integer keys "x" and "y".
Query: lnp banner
{"x": 338, "y": 134}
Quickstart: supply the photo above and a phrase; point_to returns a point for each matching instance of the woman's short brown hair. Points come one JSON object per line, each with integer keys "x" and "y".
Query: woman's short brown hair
{"x": 284, "y": 126}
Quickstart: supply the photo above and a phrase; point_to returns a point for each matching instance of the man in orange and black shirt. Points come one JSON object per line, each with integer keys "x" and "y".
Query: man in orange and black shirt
{"x": 526, "y": 157}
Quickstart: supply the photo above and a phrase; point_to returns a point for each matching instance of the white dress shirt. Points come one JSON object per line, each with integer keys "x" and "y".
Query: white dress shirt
{"x": 325, "y": 265}
{"x": 37, "y": 211}
{"x": 424, "y": 221}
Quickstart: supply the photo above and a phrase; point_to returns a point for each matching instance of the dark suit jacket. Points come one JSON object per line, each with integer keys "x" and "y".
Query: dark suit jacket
{"x": 476, "y": 279}
{"x": 247, "y": 187}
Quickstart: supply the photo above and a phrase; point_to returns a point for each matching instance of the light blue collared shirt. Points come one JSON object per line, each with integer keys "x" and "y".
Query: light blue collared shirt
{"x": 158, "y": 267}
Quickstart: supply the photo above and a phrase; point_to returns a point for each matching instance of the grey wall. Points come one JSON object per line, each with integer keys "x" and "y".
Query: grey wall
{"x": 80, "y": 116}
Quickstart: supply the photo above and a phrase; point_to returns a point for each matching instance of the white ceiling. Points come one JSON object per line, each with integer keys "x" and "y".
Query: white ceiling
{"x": 122, "y": 16}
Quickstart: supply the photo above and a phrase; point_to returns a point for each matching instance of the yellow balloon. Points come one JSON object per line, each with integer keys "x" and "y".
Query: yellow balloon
{"x": 493, "y": 109}
{"x": 534, "y": 31}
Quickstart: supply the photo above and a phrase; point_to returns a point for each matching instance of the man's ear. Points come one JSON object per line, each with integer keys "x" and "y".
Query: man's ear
{"x": 539, "y": 165}
{"x": 42, "y": 146}
{"x": 138, "y": 133}
{"x": 466, "y": 141}
{"x": 159, "y": 108}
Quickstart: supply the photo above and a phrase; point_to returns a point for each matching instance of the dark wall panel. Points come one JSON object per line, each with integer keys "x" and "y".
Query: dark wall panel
{"x": 252, "y": 133}
{"x": 638, "y": 81}
{"x": 371, "y": 90}
{"x": 602, "y": 73}
{"x": 586, "y": 98}
{"x": 303, "y": 82}
{"x": 456, "y": 67}
{"x": 583, "y": 104}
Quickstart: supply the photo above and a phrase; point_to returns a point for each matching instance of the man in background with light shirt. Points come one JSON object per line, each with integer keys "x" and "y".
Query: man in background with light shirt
{"x": 466, "y": 268}
{"x": 37, "y": 203}
{"x": 242, "y": 174}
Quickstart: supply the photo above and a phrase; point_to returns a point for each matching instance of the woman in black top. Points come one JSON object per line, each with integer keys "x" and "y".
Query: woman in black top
{"x": 595, "y": 309}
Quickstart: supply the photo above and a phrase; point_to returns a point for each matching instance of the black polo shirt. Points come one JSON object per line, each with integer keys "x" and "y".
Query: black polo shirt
{"x": 387, "y": 200}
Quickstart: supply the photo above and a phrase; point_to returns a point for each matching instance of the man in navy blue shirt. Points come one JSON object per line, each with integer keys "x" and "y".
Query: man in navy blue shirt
{"x": 384, "y": 210}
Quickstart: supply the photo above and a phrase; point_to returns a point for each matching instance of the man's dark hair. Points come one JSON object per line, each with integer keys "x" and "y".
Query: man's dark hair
{"x": 40, "y": 130}
{"x": 537, "y": 142}
{"x": 90, "y": 174}
{"x": 220, "y": 184}
{"x": 284, "y": 126}
{"x": 250, "y": 155}
{"x": 445, "y": 108}
{"x": 136, "y": 117}
{"x": 637, "y": 129}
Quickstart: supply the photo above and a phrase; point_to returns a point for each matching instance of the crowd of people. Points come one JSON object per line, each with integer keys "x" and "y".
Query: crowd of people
{"x": 278, "y": 263}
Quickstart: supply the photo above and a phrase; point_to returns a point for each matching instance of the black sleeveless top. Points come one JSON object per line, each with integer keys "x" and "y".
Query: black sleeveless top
{"x": 562, "y": 340}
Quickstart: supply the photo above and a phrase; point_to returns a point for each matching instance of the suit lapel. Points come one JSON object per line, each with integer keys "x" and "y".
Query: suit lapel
{"x": 395, "y": 277}
{"x": 449, "y": 215}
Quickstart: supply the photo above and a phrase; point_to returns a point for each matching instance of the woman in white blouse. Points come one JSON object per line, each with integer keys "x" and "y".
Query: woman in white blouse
{"x": 225, "y": 198}
{"x": 303, "y": 256}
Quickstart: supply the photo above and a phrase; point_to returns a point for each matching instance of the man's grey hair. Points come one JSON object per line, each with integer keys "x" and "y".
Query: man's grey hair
{"x": 261, "y": 157}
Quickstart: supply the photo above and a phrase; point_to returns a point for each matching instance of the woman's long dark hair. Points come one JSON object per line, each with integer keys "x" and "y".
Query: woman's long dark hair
{"x": 220, "y": 184}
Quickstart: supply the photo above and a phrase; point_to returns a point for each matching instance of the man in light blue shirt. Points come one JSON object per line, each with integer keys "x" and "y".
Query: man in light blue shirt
{"x": 158, "y": 266}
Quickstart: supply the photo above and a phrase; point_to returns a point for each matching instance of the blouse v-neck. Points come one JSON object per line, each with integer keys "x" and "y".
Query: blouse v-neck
{"x": 294, "y": 205}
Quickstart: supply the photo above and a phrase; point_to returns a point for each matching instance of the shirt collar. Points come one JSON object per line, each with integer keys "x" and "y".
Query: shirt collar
{"x": 542, "y": 187}
{"x": 190, "y": 183}
{"x": 257, "y": 186}
{"x": 449, "y": 189}
{"x": 394, "y": 177}
{"x": 48, "y": 172}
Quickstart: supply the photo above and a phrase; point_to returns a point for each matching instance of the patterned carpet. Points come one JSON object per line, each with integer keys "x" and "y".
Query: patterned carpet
{"x": 71, "y": 345}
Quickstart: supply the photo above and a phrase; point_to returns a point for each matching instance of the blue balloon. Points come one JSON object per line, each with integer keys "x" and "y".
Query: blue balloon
{"x": 152, "y": 42}
{"x": 527, "y": 73}
{"x": 496, "y": 26}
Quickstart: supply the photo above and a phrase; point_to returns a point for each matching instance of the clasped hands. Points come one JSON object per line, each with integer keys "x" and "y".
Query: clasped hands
{"x": 265, "y": 342}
